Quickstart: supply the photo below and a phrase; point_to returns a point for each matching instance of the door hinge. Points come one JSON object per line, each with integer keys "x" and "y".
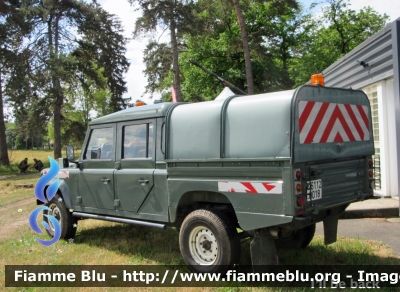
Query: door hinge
{"x": 116, "y": 203}
{"x": 117, "y": 165}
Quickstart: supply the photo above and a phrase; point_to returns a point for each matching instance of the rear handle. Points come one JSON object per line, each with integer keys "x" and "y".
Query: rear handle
{"x": 143, "y": 181}
{"x": 105, "y": 180}
{"x": 316, "y": 172}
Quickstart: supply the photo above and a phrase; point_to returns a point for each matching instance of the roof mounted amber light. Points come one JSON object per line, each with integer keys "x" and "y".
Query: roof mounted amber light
{"x": 139, "y": 103}
{"x": 317, "y": 79}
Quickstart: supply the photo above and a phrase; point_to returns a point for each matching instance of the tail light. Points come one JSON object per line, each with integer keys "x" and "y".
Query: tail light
{"x": 298, "y": 187}
{"x": 370, "y": 163}
{"x": 298, "y": 174}
{"x": 300, "y": 201}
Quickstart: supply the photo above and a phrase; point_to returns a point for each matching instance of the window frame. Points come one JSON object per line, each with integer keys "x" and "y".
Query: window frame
{"x": 89, "y": 136}
{"x": 122, "y": 126}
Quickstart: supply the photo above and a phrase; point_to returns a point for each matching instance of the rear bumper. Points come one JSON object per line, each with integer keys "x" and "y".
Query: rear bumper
{"x": 302, "y": 221}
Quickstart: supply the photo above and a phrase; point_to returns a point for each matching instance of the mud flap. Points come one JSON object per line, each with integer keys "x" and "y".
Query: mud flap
{"x": 330, "y": 229}
{"x": 263, "y": 250}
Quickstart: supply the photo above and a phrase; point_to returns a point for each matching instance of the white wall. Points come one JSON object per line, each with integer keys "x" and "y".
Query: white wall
{"x": 391, "y": 167}
{"x": 383, "y": 134}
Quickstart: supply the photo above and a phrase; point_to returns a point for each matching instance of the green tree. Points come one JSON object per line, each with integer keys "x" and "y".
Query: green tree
{"x": 103, "y": 46}
{"x": 178, "y": 17}
{"x": 328, "y": 38}
{"x": 12, "y": 29}
{"x": 273, "y": 28}
{"x": 85, "y": 99}
{"x": 31, "y": 119}
{"x": 66, "y": 38}
{"x": 286, "y": 45}
{"x": 11, "y": 135}
{"x": 246, "y": 48}
{"x": 157, "y": 59}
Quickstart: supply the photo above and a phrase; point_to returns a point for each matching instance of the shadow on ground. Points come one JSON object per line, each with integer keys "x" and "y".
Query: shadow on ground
{"x": 162, "y": 246}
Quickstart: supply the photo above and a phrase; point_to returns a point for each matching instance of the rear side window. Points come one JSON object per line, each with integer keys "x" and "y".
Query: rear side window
{"x": 101, "y": 144}
{"x": 138, "y": 141}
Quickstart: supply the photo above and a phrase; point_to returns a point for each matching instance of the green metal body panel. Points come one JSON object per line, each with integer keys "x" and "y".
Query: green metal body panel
{"x": 241, "y": 152}
{"x": 258, "y": 127}
{"x": 195, "y": 131}
{"x": 65, "y": 189}
{"x": 200, "y": 181}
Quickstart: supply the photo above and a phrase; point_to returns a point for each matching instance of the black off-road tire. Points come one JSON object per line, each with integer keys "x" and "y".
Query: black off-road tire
{"x": 67, "y": 222}
{"x": 209, "y": 243}
{"x": 299, "y": 239}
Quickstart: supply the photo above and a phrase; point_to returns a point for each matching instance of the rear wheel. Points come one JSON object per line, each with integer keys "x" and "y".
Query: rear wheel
{"x": 297, "y": 239}
{"x": 208, "y": 242}
{"x": 68, "y": 223}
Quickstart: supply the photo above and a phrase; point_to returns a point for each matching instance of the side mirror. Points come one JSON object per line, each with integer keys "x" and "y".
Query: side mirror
{"x": 70, "y": 153}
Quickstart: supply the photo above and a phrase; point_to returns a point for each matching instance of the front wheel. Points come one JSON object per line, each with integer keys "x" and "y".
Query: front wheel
{"x": 208, "y": 242}
{"x": 67, "y": 222}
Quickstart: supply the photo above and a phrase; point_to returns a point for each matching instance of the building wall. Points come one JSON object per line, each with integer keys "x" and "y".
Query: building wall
{"x": 373, "y": 67}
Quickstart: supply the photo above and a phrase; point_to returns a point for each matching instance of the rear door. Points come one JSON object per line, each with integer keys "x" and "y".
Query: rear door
{"x": 332, "y": 141}
{"x": 134, "y": 176}
{"x": 330, "y": 123}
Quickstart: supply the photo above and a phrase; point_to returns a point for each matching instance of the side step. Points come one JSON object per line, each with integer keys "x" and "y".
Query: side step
{"x": 120, "y": 220}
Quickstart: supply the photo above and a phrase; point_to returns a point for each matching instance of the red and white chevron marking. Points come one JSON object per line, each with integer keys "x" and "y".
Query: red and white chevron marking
{"x": 324, "y": 122}
{"x": 61, "y": 173}
{"x": 250, "y": 187}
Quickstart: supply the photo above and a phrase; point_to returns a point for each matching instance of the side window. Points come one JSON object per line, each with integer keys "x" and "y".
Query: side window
{"x": 101, "y": 144}
{"x": 138, "y": 141}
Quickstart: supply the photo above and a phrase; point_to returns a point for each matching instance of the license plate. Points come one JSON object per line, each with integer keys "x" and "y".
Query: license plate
{"x": 316, "y": 189}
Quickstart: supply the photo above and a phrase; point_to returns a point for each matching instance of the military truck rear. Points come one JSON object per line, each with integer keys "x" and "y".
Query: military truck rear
{"x": 271, "y": 165}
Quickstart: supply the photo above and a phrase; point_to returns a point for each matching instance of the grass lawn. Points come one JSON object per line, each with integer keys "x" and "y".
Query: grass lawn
{"x": 16, "y": 156}
{"x": 105, "y": 243}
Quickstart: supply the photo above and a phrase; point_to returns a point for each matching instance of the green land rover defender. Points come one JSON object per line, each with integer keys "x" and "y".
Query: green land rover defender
{"x": 267, "y": 166}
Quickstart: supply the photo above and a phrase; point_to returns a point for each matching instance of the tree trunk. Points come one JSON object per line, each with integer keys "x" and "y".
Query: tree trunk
{"x": 246, "y": 49}
{"x": 3, "y": 139}
{"x": 57, "y": 127}
{"x": 58, "y": 96}
{"x": 175, "y": 64}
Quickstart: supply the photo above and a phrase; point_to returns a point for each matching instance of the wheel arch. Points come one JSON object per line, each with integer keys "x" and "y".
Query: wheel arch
{"x": 63, "y": 191}
{"x": 193, "y": 200}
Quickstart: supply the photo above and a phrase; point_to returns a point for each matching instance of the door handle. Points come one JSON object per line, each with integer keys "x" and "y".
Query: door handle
{"x": 105, "y": 180}
{"x": 143, "y": 181}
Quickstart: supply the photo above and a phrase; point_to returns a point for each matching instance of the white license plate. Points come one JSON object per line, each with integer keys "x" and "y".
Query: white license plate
{"x": 316, "y": 189}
